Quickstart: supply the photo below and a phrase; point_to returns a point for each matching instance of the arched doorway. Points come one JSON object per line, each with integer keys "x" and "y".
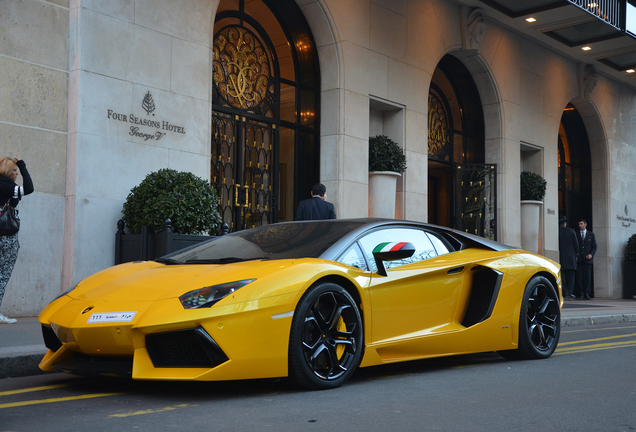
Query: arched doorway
{"x": 575, "y": 168}
{"x": 265, "y": 111}
{"x": 461, "y": 186}
{"x": 575, "y": 171}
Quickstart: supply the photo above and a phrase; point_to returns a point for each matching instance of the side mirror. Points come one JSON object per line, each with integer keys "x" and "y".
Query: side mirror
{"x": 391, "y": 252}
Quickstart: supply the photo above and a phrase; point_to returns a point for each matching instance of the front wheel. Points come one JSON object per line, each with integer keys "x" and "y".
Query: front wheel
{"x": 539, "y": 322}
{"x": 326, "y": 342}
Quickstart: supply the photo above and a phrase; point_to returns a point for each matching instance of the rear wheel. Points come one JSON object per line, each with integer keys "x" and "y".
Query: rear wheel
{"x": 326, "y": 342}
{"x": 539, "y": 322}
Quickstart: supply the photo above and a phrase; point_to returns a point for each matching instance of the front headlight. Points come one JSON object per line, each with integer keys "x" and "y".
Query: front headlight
{"x": 207, "y": 296}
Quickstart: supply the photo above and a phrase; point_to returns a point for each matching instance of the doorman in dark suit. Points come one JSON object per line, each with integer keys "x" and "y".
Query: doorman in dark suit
{"x": 587, "y": 249}
{"x": 316, "y": 207}
{"x": 568, "y": 254}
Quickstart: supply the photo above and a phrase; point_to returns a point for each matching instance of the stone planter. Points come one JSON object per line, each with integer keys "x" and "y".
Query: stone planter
{"x": 382, "y": 192}
{"x": 530, "y": 224}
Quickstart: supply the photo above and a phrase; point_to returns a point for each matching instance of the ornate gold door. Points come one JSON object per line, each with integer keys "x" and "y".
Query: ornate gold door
{"x": 476, "y": 205}
{"x": 242, "y": 156}
{"x": 242, "y": 146}
{"x": 265, "y": 106}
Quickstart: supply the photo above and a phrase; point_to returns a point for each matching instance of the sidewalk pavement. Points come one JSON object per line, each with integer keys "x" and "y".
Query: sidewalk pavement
{"x": 22, "y": 347}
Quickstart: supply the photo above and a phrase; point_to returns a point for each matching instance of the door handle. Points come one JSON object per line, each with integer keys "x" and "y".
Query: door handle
{"x": 241, "y": 195}
{"x": 456, "y": 270}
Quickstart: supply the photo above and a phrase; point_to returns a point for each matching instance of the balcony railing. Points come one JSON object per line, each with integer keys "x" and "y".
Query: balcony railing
{"x": 609, "y": 11}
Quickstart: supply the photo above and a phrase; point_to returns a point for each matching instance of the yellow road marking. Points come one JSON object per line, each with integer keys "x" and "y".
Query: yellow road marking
{"x": 599, "y": 339}
{"x": 596, "y": 329}
{"x": 62, "y": 399}
{"x": 583, "y": 347}
{"x": 593, "y": 348}
{"x": 152, "y": 411}
{"x": 32, "y": 389}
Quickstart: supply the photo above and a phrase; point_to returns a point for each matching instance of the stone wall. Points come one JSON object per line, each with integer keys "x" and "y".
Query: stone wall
{"x": 33, "y": 127}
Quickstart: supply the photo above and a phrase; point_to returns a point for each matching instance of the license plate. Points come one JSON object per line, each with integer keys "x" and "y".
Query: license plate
{"x": 112, "y": 317}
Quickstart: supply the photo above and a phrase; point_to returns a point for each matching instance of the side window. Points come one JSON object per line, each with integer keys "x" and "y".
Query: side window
{"x": 440, "y": 246}
{"x": 353, "y": 257}
{"x": 423, "y": 247}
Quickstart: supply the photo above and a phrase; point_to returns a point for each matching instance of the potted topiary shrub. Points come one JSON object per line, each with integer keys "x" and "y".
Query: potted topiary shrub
{"x": 167, "y": 211}
{"x": 387, "y": 162}
{"x": 533, "y": 188}
{"x": 629, "y": 273}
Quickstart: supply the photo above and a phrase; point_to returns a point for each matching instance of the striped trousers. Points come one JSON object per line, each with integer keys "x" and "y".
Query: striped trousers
{"x": 9, "y": 247}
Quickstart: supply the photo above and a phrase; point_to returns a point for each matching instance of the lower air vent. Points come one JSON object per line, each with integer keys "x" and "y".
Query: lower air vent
{"x": 184, "y": 348}
{"x": 82, "y": 364}
{"x": 51, "y": 340}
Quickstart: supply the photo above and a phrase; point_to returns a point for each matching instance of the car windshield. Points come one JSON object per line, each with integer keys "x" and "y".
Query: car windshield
{"x": 276, "y": 241}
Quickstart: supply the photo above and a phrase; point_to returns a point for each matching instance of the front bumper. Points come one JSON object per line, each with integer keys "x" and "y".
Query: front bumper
{"x": 166, "y": 342}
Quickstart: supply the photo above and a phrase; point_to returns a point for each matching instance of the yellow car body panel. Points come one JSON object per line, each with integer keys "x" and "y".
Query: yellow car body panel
{"x": 417, "y": 314}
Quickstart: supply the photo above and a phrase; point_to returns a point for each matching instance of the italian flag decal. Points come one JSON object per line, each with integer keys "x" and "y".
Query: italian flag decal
{"x": 392, "y": 247}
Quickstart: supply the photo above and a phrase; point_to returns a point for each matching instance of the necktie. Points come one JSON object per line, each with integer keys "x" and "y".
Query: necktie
{"x": 582, "y": 235}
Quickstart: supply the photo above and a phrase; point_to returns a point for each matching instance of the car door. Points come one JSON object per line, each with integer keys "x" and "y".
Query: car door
{"x": 420, "y": 294}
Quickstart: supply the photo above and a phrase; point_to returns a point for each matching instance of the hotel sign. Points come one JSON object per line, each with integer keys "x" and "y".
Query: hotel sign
{"x": 626, "y": 221}
{"x": 145, "y": 128}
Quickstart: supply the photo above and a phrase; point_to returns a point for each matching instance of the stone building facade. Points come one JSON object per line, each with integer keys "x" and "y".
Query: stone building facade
{"x": 96, "y": 94}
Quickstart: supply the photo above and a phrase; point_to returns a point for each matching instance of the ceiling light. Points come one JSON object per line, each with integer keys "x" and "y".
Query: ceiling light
{"x": 530, "y": 19}
{"x": 586, "y": 48}
{"x": 630, "y": 71}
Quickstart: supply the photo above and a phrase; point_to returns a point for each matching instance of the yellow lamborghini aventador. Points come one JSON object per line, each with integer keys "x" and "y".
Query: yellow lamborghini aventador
{"x": 308, "y": 300}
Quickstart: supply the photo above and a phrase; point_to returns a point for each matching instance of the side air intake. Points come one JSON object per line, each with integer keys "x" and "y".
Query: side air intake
{"x": 483, "y": 295}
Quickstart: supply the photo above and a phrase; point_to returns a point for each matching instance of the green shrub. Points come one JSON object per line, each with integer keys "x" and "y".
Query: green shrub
{"x": 630, "y": 249}
{"x": 189, "y": 201}
{"x": 385, "y": 155}
{"x": 532, "y": 186}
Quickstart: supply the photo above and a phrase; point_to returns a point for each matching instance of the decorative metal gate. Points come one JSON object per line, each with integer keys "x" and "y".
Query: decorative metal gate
{"x": 242, "y": 170}
{"x": 244, "y": 137}
{"x": 476, "y": 199}
{"x": 265, "y": 111}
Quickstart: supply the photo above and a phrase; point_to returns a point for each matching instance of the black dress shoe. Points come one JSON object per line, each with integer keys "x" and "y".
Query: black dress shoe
{"x": 587, "y": 297}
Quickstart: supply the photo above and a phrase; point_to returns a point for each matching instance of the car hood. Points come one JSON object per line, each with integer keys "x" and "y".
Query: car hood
{"x": 151, "y": 281}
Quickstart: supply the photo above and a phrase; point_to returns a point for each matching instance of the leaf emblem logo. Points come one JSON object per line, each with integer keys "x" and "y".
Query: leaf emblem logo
{"x": 148, "y": 104}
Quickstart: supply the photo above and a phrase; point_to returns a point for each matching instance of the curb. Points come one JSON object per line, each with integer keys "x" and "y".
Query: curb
{"x": 597, "y": 320}
{"x": 20, "y": 366}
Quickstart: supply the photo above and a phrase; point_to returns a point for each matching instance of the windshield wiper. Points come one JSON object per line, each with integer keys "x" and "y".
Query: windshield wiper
{"x": 168, "y": 261}
{"x": 226, "y": 260}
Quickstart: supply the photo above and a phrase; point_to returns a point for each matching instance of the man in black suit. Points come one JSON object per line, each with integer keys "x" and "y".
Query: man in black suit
{"x": 568, "y": 254}
{"x": 587, "y": 249}
{"x": 316, "y": 207}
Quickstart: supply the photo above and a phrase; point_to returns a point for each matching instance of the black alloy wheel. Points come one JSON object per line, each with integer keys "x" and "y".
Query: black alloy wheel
{"x": 539, "y": 321}
{"x": 327, "y": 338}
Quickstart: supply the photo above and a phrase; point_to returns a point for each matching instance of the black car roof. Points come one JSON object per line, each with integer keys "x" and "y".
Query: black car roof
{"x": 326, "y": 239}
{"x": 460, "y": 240}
